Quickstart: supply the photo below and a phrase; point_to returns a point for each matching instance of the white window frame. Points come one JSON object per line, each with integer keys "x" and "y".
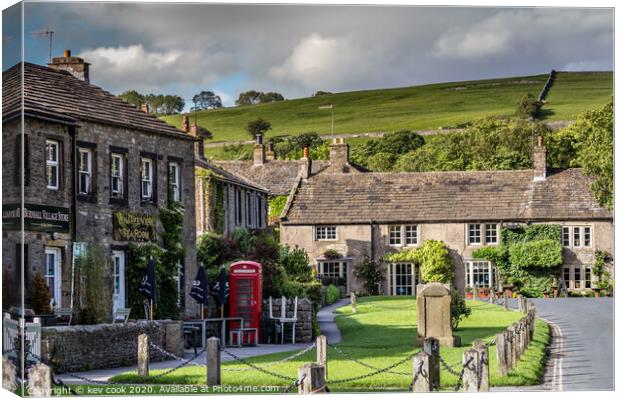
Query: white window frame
{"x": 469, "y": 234}
{"x": 174, "y": 180}
{"x": 343, "y": 269}
{"x": 394, "y": 273}
{"x": 479, "y": 267}
{"x": 87, "y": 172}
{"x": 486, "y": 233}
{"x": 395, "y": 235}
{"x": 399, "y": 235}
{"x": 52, "y": 164}
{"x": 325, "y": 233}
{"x": 118, "y": 276}
{"x": 118, "y": 193}
{"x": 146, "y": 179}
{"x": 56, "y": 289}
{"x": 415, "y": 239}
{"x": 580, "y": 232}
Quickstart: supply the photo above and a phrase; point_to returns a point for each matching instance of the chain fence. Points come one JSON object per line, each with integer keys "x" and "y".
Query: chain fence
{"x": 256, "y": 367}
{"x": 269, "y": 365}
{"x": 376, "y": 372}
{"x": 359, "y": 362}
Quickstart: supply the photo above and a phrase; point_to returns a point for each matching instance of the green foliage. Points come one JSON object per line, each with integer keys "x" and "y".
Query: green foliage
{"x": 171, "y": 218}
{"x": 157, "y": 103}
{"x": 536, "y": 253}
{"x": 138, "y": 255}
{"x": 40, "y": 296}
{"x": 371, "y": 274}
{"x": 381, "y": 161}
{"x": 292, "y": 147}
{"x": 435, "y": 261}
{"x": 206, "y": 100}
{"x": 458, "y": 309}
{"x": 276, "y": 207}
{"x": 528, "y": 106}
{"x": 257, "y": 126}
{"x": 296, "y": 264}
{"x": 602, "y": 264}
{"x": 380, "y": 154}
{"x": 252, "y": 97}
{"x": 332, "y": 294}
{"x": 211, "y": 250}
{"x": 93, "y": 286}
{"x": 245, "y": 240}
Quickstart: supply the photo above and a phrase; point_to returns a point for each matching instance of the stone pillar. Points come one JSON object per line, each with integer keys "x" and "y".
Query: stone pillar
{"x": 506, "y": 302}
{"x": 143, "y": 355}
{"x": 433, "y": 312}
{"x": 422, "y": 379}
{"x": 492, "y": 298}
{"x": 9, "y": 375}
{"x": 312, "y": 378}
{"x": 213, "y": 362}
{"x": 353, "y": 303}
{"x": 471, "y": 363}
{"x": 321, "y": 351}
{"x": 483, "y": 355}
{"x": 501, "y": 345}
{"x": 431, "y": 347}
{"x": 40, "y": 381}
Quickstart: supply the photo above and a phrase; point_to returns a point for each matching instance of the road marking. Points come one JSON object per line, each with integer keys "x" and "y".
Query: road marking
{"x": 557, "y": 376}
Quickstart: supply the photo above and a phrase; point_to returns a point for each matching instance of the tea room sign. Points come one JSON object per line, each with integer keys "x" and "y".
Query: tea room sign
{"x": 136, "y": 227}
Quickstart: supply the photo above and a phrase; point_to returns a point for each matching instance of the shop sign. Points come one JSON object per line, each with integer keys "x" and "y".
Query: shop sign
{"x": 36, "y": 217}
{"x": 135, "y": 227}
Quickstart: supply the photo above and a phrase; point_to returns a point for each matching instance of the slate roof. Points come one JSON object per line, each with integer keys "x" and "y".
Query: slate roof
{"x": 53, "y": 93}
{"x": 229, "y": 177}
{"x": 457, "y": 196}
{"x": 278, "y": 176}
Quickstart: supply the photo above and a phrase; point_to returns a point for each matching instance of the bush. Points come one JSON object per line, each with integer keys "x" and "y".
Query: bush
{"x": 41, "y": 296}
{"x": 211, "y": 250}
{"x": 296, "y": 264}
{"x": 528, "y": 106}
{"x": 246, "y": 242}
{"x": 93, "y": 286}
{"x": 332, "y": 294}
{"x": 458, "y": 309}
{"x": 537, "y": 254}
{"x": 370, "y": 272}
{"x": 435, "y": 261}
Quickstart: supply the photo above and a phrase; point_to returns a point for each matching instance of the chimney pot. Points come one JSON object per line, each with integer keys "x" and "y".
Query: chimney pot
{"x": 306, "y": 152}
{"x": 339, "y": 156}
{"x": 74, "y": 65}
{"x": 185, "y": 123}
{"x": 67, "y": 53}
{"x": 259, "y": 139}
{"x": 259, "y": 151}
{"x": 539, "y": 160}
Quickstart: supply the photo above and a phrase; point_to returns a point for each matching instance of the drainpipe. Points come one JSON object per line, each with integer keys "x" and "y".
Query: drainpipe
{"x": 72, "y": 134}
{"x": 372, "y": 240}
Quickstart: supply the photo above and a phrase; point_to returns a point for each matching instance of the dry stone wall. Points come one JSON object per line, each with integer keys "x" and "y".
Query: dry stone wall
{"x": 303, "y": 328}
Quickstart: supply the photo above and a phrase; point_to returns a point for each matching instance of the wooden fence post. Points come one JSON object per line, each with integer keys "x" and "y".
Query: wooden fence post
{"x": 312, "y": 378}
{"x": 40, "y": 381}
{"x": 471, "y": 363}
{"x": 533, "y": 325}
{"x": 213, "y": 362}
{"x": 321, "y": 351}
{"x": 431, "y": 347}
{"x": 353, "y": 303}
{"x": 506, "y": 301}
{"x": 492, "y": 298}
{"x": 512, "y": 338}
{"x": 522, "y": 337}
{"x": 421, "y": 373}
{"x": 143, "y": 355}
{"x": 483, "y": 354}
{"x": 501, "y": 345}
{"x": 475, "y": 295}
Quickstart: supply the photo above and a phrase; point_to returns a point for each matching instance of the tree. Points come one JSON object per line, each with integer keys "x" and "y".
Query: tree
{"x": 41, "y": 296}
{"x": 132, "y": 97}
{"x": 266, "y": 98}
{"x": 528, "y": 106}
{"x": 319, "y": 93}
{"x": 394, "y": 144}
{"x": 154, "y": 101}
{"x": 250, "y": 97}
{"x": 207, "y": 100}
{"x": 172, "y": 104}
{"x": 370, "y": 272}
{"x": 257, "y": 126}
{"x": 382, "y": 161}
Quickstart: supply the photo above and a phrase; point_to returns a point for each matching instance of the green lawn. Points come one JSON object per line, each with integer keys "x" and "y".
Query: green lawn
{"x": 382, "y": 333}
{"x": 415, "y": 108}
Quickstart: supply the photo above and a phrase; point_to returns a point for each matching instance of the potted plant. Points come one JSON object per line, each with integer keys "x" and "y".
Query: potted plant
{"x": 469, "y": 292}
{"x": 331, "y": 254}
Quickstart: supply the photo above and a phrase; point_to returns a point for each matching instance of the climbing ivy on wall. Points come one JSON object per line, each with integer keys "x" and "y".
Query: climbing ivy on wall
{"x": 276, "y": 206}
{"x": 529, "y": 257}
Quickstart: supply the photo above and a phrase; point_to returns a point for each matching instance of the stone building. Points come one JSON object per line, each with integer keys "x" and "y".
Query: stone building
{"x": 371, "y": 214}
{"x": 95, "y": 169}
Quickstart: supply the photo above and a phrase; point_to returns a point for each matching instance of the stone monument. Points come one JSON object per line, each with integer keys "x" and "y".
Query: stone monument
{"x": 433, "y": 303}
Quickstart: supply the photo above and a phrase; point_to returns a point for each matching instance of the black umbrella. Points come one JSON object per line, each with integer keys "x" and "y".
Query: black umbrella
{"x": 221, "y": 289}
{"x": 200, "y": 289}
{"x": 147, "y": 285}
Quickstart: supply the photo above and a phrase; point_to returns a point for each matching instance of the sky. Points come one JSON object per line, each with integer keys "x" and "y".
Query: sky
{"x": 295, "y": 50}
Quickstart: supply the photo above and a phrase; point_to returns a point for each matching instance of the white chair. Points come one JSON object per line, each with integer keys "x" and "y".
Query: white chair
{"x": 282, "y": 320}
{"x": 121, "y": 315}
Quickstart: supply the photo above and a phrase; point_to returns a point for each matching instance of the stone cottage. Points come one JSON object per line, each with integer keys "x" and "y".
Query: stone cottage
{"x": 94, "y": 169}
{"x": 355, "y": 214}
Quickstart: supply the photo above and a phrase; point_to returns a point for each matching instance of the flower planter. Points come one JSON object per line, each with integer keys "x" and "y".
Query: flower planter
{"x": 469, "y": 295}
{"x": 597, "y": 292}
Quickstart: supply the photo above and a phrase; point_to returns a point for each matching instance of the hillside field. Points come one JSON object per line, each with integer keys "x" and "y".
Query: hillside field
{"x": 415, "y": 108}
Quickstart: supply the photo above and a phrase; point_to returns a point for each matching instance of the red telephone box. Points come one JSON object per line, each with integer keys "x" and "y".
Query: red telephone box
{"x": 246, "y": 299}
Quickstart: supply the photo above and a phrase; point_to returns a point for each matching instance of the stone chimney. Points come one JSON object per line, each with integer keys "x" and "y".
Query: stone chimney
{"x": 259, "y": 151}
{"x": 539, "y": 160}
{"x": 74, "y": 65}
{"x": 185, "y": 123}
{"x": 339, "y": 156}
{"x": 144, "y": 108}
{"x": 271, "y": 153}
{"x": 306, "y": 165}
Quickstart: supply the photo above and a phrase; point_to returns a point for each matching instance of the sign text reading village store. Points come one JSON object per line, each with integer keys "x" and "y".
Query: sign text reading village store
{"x": 36, "y": 217}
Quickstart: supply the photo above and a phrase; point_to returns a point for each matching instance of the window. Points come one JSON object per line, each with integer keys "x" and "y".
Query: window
{"x": 174, "y": 181}
{"x": 490, "y": 233}
{"x": 238, "y": 205}
{"x": 402, "y": 279}
{"x": 248, "y": 208}
{"x": 52, "y": 164}
{"x": 118, "y": 279}
{"x": 566, "y": 276}
{"x": 333, "y": 272}
{"x": 577, "y": 236}
{"x": 259, "y": 212}
{"x": 53, "y": 274}
{"x": 147, "y": 179}
{"x": 85, "y": 171}
{"x": 325, "y": 233}
{"x": 577, "y": 275}
{"x": 117, "y": 174}
{"x": 588, "y": 280}
{"x": 474, "y": 234}
{"x": 480, "y": 274}
{"x": 395, "y": 234}
{"x": 411, "y": 235}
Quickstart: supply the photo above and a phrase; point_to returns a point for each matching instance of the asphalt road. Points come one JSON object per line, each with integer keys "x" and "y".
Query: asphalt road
{"x": 582, "y": 353}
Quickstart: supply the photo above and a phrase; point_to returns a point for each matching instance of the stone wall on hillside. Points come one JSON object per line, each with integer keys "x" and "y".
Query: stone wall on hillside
{"x": 85, "y": 347}
{"x": 303, "y": 328}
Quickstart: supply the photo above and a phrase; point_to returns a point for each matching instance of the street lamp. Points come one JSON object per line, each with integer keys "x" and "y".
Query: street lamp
{"x": 331, "y": 106}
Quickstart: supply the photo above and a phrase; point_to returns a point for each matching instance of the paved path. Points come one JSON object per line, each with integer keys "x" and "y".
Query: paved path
{"x": 244, "y": 352}
{"x": 582, "y": 349}
{"x": 327, "y": 325}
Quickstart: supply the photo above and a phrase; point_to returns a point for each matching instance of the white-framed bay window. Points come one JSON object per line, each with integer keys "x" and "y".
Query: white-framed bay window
{"x": 85, "y": 171}
{"x": 325, "y": 232}
{"x": 577, "y": 236}
{"x": 146, "y": 177}
{"x": 482, "y": 234}
{"x": 52, "y": 164}
{"x": 333, "y": 272}
{"x": 479, "y": 273}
